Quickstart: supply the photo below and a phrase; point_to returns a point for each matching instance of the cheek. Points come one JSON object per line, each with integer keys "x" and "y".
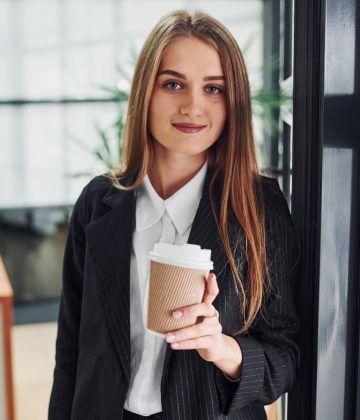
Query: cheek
{"x": 159, "y": 109}
{"x": 218, "y": 108}
{"x": 220, "y": 114}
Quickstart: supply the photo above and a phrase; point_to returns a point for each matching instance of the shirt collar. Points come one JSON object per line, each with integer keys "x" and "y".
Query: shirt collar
{"x": 181, "y": 206}
{"x": 149, "y": 205}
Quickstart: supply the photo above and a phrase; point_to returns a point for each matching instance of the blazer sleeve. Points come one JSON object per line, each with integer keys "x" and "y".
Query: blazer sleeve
{"x": 270, "y": 353}
{"x": 69, "y": 317}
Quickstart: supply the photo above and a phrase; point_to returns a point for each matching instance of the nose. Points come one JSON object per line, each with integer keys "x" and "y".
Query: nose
{"x": 191, "y": 105}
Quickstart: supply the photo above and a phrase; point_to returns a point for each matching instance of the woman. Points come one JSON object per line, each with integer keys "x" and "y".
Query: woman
{"x": 189, "y": 174}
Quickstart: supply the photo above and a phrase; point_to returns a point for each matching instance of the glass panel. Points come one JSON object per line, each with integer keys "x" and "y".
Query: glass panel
{"x": 44, "y": 152}
{"x": 340, "y": 61}
{"x": 87, "y": 21}
{"x": 334, "y": 278}
{"x": 5, "y": 25}
{"x": 37, "y": 33}
{"x": 86, "y": 68}
{"x": 41, "y": 75}
{"x": 141, "y": 15}
{"x": 78, "y": 44}
{"x": 6, "y": 90}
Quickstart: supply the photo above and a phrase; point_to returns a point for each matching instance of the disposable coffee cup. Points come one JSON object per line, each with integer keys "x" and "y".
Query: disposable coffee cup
{"x": 176, "y": 278}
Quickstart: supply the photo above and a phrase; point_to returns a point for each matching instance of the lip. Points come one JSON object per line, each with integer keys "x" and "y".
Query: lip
{"x": 188, "y": 127}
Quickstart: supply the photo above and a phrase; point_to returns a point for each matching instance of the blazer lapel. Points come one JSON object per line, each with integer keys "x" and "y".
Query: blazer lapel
{"x": 110, "y": 240}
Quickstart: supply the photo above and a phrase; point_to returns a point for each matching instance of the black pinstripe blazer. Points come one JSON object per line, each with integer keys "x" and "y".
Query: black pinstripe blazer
{"x": 92, "y": 371}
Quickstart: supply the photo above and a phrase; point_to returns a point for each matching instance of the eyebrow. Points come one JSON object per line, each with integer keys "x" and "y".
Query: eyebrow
{"x": 182, "y": 76}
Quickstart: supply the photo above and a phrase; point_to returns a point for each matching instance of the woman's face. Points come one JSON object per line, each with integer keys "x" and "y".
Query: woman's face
{"x": 188, "y": 105}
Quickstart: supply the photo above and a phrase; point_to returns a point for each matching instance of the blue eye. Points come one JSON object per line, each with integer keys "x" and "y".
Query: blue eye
{"x": 173, "y": 85}
{"x": 213, "y": 89}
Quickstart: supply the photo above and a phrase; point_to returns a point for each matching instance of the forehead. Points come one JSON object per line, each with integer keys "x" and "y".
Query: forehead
{"x": 191, "y": 53}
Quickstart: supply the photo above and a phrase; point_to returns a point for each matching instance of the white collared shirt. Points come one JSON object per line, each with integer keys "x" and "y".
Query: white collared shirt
{"x": 157, "y": 220}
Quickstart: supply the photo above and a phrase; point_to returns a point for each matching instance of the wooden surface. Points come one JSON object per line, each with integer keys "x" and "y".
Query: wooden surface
{"x": 6, "y": 306}
{"x": 272, "y": 411}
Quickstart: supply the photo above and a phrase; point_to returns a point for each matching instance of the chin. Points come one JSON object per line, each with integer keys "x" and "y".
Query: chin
{"x": 190, "y": 151}
{"x": 190, "y": 147}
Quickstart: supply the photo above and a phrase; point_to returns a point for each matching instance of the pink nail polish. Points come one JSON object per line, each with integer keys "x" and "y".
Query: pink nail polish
{"x": 177, "y": 314}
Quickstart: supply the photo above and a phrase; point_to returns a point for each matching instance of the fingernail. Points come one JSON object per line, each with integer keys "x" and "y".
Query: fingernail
{"x": 170, "y": 338}
{"x": 177, "y": 314}
{"x": 175, "y": 345}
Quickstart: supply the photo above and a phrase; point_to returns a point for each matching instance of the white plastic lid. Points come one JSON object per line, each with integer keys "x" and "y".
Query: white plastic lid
{"x": 187, "y": 255}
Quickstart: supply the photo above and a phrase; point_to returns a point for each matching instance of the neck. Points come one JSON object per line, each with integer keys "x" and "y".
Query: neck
{"x": 170, "y": 172}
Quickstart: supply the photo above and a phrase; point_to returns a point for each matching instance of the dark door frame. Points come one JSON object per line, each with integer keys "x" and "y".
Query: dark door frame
{"x": 306, "y": 204}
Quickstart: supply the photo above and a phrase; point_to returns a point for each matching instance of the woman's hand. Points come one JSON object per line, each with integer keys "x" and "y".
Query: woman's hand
{"x": 206, "y": 336}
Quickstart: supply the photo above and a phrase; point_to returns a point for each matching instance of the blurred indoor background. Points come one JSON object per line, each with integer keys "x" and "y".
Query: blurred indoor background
{"x": 65, "y": 72}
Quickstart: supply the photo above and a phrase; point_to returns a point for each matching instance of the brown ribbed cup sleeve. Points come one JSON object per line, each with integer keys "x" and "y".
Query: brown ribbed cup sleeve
{"x": 170, "y": 288}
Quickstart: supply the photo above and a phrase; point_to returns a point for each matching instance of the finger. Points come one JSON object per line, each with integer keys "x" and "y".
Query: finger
{"x": 196, "y": 310}
{"x": 210, "y": 319}
{"x": 205, "y": 342}
{"x": 195, "y": 331}
{"x": 211, "y": 289}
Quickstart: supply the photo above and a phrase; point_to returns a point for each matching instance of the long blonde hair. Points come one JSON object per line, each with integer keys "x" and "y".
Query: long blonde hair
{"x": 233, "y": 156}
